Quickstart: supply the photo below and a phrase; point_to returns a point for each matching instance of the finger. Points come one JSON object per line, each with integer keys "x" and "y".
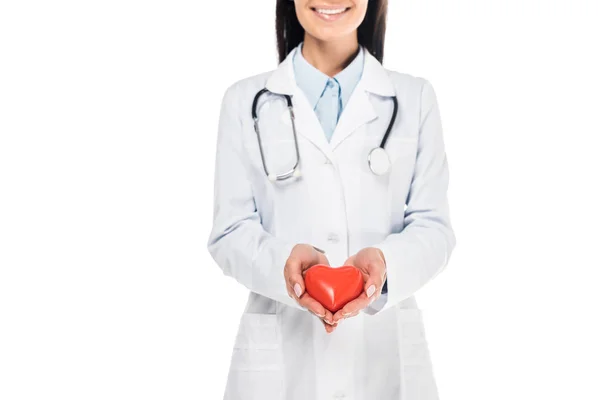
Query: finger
{"x": 338, "y": 316}
{"x": 341, "y": 317}
{"x": 356, "y": 305}
{"x": 308, "y": 302}
{"x": 328, "y": 328}
{"x": 328, "y": 318}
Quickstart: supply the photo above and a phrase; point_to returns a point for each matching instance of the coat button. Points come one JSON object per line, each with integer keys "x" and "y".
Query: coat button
{"x": 333, "y": 238}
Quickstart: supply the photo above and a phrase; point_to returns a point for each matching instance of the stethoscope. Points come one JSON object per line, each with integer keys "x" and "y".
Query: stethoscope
{"x": 378, "y": 159}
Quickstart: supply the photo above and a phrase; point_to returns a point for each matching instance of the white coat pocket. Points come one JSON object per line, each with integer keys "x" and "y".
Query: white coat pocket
{"x": 401, "y": 148}
{"x": 416, "y": 369}
{"x": 256, "y": 363}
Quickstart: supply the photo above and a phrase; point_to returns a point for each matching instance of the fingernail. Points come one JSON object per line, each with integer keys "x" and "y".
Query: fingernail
{"x": 329, "y": 322}
{"x": 297, "y": 290}
{"x": 370, "y": 290}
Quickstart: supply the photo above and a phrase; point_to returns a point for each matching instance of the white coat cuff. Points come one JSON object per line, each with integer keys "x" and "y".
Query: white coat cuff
{"x": 275, "y": 286}
{"x": 401, "y": 280}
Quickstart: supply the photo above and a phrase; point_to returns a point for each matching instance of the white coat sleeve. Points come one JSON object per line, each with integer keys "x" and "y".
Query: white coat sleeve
{"x": 421, "y": 250}
{"x": 237, "y": 242}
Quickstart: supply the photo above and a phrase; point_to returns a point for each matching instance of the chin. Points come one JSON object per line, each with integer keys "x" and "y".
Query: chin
{"x": 330, "y": 35}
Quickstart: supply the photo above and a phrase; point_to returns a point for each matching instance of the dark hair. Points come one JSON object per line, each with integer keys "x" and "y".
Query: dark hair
{"x": 371, "y": 32}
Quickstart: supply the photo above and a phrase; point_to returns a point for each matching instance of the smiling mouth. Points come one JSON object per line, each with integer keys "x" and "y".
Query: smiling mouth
{"x": 330, "y": 14}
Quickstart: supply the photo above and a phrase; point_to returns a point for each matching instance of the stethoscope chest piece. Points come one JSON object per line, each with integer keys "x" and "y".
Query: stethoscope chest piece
{"x": 379, "y": 161}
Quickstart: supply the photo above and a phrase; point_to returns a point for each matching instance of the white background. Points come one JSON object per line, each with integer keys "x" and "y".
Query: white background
{"x": 108, "y": 115}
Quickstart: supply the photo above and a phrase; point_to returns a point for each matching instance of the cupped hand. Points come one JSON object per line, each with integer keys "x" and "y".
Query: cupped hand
{"x": 371, "y": 262}
{"x": 301, "y": 258}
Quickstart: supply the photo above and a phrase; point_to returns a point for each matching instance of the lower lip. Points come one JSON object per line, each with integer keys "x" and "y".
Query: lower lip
{"x": 330, "y": 17}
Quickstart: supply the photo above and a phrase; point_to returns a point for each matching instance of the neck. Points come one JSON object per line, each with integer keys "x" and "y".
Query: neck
{"x": 330, "y": 57}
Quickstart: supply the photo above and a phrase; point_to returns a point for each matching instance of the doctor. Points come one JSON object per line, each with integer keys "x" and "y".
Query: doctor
{"x": 331, "y": 158}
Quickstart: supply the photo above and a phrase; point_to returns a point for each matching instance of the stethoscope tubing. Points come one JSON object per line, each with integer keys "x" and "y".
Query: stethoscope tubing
{"x": 290, "y": 107}
{"x": 391, "y": 124}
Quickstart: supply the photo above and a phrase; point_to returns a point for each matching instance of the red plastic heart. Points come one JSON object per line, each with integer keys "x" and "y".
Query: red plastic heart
{"x": 333, "y": 287}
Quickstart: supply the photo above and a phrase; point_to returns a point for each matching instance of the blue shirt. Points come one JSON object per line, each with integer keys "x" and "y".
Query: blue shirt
{"x": 327, "y": 96}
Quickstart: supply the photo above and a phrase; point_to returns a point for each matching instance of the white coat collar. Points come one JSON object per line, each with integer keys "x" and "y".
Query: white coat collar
{"x": 375, "y": 78}
{"x": 359, "y": 110}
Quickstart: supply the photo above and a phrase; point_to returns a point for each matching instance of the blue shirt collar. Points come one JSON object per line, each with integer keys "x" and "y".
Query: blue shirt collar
{"x": 313, "y": 82}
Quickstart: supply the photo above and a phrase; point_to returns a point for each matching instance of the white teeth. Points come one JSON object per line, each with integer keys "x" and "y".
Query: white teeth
{"x": 330, "y": 12}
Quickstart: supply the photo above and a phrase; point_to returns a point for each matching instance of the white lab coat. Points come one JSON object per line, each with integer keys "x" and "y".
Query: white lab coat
{"x": 282, "y": 351}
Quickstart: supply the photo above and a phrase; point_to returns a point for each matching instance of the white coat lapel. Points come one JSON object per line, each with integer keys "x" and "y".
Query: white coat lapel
{"x": 357, "y": 112}
{"x": 308, "y": 125}
{"x": 359, "y": 109}
{"x": 282, "y": 81}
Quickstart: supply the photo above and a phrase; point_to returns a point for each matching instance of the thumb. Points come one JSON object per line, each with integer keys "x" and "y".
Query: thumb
{"x": 376, "y": 274}
{"x": 295, "y": 281}
{"x": 372, "y": 287}
{"x": 297, "y": 284}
